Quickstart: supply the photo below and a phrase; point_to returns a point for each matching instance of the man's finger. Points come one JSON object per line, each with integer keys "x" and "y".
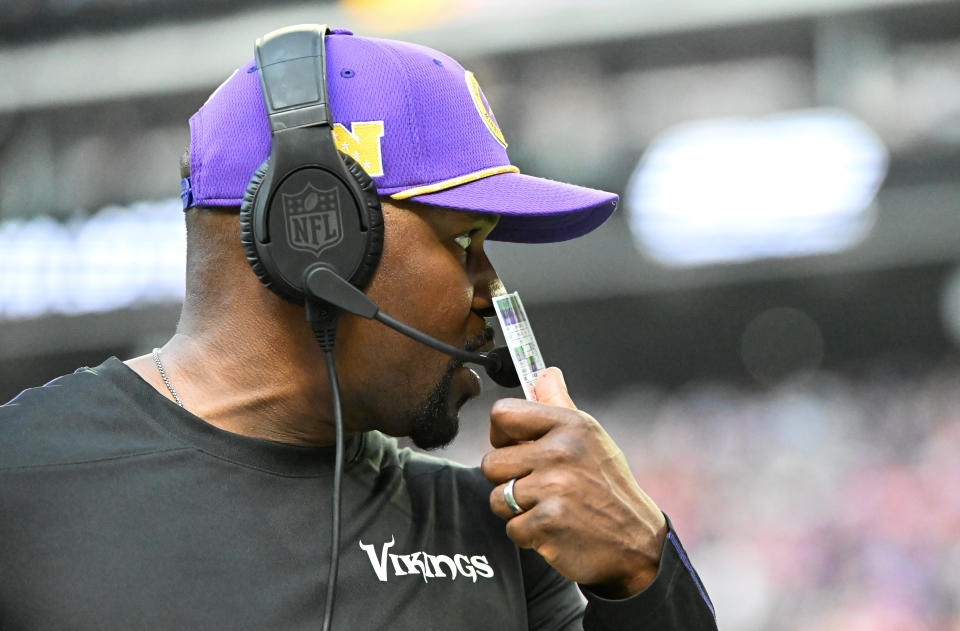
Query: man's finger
{"x": 514, "y": 421}
{"x": 512, "y": 461}
{"x": 551, "y": 389}
{"x": 498, "y": 502}
{"x": 519, "y": 530}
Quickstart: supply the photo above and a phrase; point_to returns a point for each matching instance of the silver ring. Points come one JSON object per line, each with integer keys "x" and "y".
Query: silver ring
{"x": 510, "y": 499}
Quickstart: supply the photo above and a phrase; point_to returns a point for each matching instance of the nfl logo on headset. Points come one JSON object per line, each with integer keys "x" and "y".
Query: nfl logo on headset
{"x": 313, "y": 219}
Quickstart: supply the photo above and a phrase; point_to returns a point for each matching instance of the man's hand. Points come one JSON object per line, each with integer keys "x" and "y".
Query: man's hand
{"x": 583, "y": 510}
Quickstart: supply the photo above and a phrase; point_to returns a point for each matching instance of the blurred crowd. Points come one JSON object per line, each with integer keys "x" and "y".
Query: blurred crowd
{"x": 830, "y": 503}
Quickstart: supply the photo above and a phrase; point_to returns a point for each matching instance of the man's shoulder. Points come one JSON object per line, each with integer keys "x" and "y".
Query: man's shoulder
{"x": 81, "y": 417}
{"x": 422, "y": 470}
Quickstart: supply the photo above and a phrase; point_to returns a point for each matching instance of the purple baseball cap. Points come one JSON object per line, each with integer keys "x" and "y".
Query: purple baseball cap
{"x": 418, "y": 124}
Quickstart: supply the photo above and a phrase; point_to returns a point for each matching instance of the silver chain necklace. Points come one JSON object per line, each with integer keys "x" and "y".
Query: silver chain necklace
{"x": 163, "y": 374}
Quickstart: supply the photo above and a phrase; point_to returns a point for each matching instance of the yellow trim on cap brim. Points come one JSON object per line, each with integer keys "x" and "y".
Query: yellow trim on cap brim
{"x": 457, "y": 181}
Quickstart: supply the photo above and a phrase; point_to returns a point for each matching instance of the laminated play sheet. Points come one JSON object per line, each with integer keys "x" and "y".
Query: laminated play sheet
{"x": 520, "y": 340}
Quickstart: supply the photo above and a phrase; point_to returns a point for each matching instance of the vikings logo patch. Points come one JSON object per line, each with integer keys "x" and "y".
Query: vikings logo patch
{"x": 362, "y": 142}
{"x": 483, "y": 108}
{"x": 312, "y": 219}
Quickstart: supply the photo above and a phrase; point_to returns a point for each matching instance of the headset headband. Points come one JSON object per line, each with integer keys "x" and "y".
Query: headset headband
{"x": 292, "y": 64}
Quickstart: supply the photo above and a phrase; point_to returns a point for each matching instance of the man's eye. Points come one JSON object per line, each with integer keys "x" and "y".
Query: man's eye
{"x": 463, "y": 241}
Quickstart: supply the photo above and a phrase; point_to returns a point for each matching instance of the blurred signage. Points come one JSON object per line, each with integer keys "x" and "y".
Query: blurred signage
{"x": 113, "y": 259}
{"x": 733, "y": 190}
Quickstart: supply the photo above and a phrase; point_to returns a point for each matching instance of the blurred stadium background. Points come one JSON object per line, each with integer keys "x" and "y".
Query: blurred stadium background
{"x": 769, "y": 325}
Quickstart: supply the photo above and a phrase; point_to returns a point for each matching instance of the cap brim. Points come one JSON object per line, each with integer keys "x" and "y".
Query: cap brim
{"x": 531, "y": 209}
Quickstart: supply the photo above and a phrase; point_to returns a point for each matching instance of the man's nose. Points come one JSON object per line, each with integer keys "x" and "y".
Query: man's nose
{"x": 486, "y": 284}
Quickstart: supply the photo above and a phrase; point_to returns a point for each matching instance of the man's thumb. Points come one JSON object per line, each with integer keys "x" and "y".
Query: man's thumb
{"x": 552, "y": 389}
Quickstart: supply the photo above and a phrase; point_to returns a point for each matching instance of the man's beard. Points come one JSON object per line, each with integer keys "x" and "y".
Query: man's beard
{"x": 435, "y": 423}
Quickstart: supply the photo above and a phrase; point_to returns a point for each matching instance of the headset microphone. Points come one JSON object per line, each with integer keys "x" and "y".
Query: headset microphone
{"x": 324, "y": 285}
{"x": 506, "y": 373}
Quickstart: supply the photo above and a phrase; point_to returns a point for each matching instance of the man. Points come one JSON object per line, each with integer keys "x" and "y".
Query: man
{"x": 190, "y": 488}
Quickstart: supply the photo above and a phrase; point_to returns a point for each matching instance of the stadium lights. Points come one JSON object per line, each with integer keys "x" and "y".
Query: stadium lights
{"x": 734, "y": 190}
{"x": 115, "y": 258}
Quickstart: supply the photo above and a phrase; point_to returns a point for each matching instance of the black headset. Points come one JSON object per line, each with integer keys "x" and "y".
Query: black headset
{"x": 308, "y": 208}
{"x": 311, "y": 225}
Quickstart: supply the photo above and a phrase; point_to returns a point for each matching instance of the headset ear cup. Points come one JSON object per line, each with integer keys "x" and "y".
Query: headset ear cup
{"x": 373, "y": 243}
{"x": 247, "y": 240}
{"x": 373, "y": 246}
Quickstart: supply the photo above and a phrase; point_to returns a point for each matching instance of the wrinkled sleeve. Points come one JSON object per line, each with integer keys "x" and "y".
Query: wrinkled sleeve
{"x": 553, "y": 602}
{"x": 675, "y": 600}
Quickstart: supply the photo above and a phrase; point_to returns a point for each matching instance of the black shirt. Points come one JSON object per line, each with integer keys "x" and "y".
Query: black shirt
{"x": 120, "y": 510}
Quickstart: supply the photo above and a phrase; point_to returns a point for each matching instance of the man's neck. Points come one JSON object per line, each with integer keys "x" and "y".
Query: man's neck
{"x": 242, "y": 389}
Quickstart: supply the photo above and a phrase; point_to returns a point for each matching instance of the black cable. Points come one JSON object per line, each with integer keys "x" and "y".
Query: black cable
{"x": 323, "y": 321}
{"x": 329, "y": 294}
{"x": 497, "y": 362}
{"x": 337, "y": 484}
{"x": 459, "y": 353}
